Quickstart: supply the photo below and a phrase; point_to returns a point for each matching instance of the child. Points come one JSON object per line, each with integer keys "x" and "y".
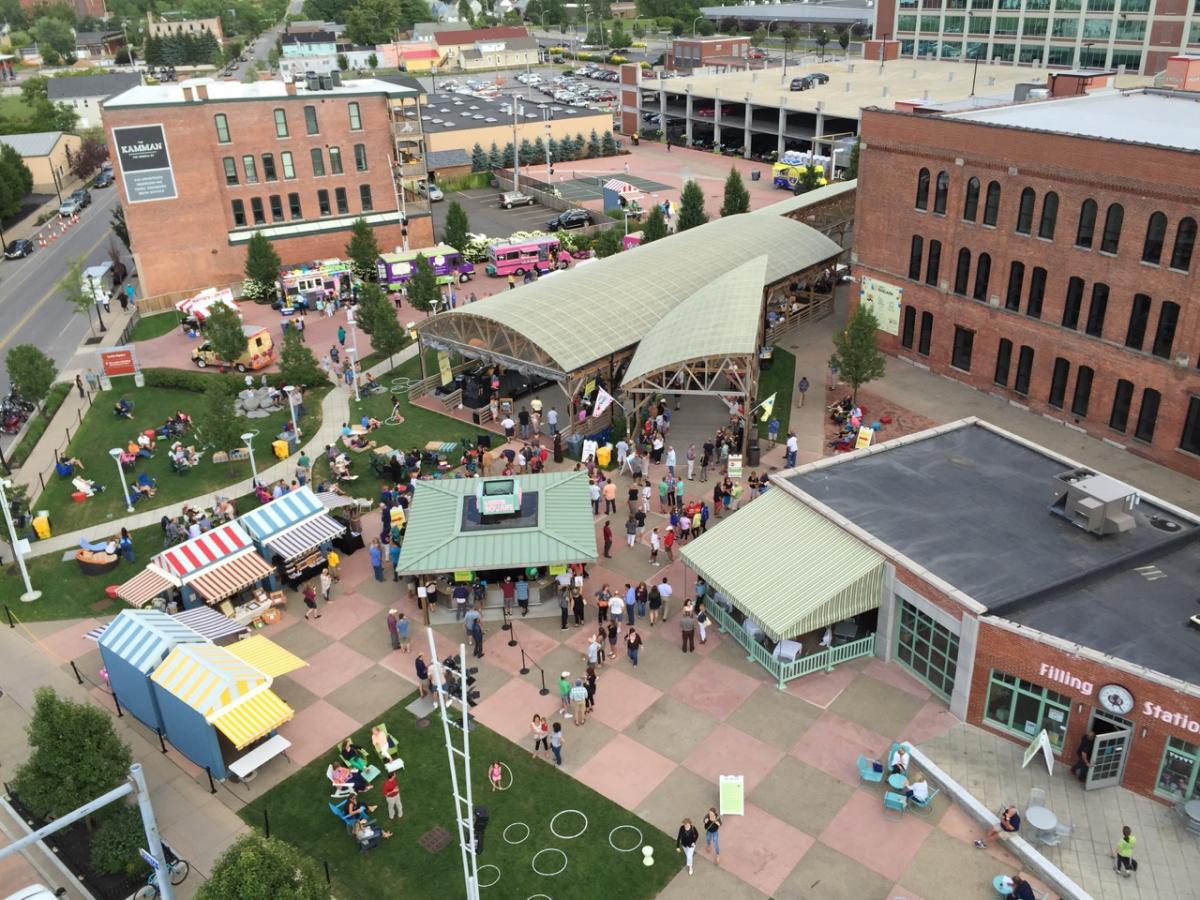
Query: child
{"x": 556, "y": 742}
{"x": 333, "y": 560}
{"x": 613, "y": 631}
{"x": 494, "y": 775}
{"x": 564, "y": 694}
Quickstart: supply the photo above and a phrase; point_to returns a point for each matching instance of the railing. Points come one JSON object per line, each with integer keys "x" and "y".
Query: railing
{"x": 162, "y": 302}
{"x": 819, "y": 305}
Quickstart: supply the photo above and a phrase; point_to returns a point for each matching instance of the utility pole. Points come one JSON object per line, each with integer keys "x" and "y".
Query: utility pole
{"x": 516, "y": 150}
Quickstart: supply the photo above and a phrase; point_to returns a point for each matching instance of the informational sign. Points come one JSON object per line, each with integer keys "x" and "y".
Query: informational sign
{"x": 884, "y": 300}
{"x": 589, "y": 450}
{"x": 462, "y": 578}
{"x": 589, "y": 387}
{"x": 1042, "y": 743}
{"x": 444, "y": 367}
{"x": 558, "y": 570}
{"x": 735, "y": 466}
{"x": 118, "y": 361}
{"x": 866, "y": 434}
{"x": 145, "y": 163}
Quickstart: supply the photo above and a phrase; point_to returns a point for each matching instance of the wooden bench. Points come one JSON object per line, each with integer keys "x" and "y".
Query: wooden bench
{"x": 246, "y": 767}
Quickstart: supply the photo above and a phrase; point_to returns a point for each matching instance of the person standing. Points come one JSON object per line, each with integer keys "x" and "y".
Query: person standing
{"x": 310, "y": 601}
{"x": 630, "y": 531}
{"x": 687, "y": 628}
{"x": 668, "y": 543}
{"x": 1083, "y": 756}
{"x": 594, "y": 491}
{"x": 633, "y": 644}
{"x": 685, "y": 840}
{"x": 712, "y": 833}
{"x": 655, "y": 543}
{"x": 579, "y": 702}
{"x": 341, "y": 335}
{"x": 589, "y": 682}
{"x": 1126, "y": 864}
{"x": 522, "y": 591}
{"x": 508, "y": 593}
{"x": 801, "y": 390}
{"x": 793, "y": 446}
{"x": 607, "y": 532}
{"x": 577, "y": 604}
{"x": 402, "y": 628}
{"x": 474, "y": 628}
{"x": 326, "y": 581}
{"x": 671, "y": 461}
{"x": 701, "y": 620}
{"x": 79, "y": 386}
{"x": 393, "y": 627}
{"x": 564, "y": 694}
{"x": 391, "y": 793}
{"x": 394, "y": 556}
{"x": 422, "y": 675}
{"x": 541, "y": 736}
{"x": 556, "y": 738}
{"x": 376, "y": 554}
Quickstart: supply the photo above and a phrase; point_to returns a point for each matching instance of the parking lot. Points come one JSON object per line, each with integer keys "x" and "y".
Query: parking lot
{"x": 486, "y": 217}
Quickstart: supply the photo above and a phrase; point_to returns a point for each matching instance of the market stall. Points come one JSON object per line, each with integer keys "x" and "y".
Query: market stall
{"x": 204, "y": 620}
{"x": 151, "y": 583}
{"x": 293, "y": 533}
{"x": 220, "y": 568}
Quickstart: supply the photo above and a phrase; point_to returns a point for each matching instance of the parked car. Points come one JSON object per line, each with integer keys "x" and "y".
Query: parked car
{"x": 801, "y": 84}
{"x": 432, "y": 191}
{"x": 83, "y": 197}
{"x": 757, "y": 54}
{"x": 69, "y": 207}
{"x": 103, "y": 180}
{"x": 571, "y": 218}
{"x": 819, "y": 77}
{"x": 18, "y": 249}
{"x": 509, "y": 199}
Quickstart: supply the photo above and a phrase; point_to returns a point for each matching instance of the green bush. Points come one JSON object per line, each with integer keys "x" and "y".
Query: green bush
{"x": 39, "y": 423}
{"x": 116, "y": 843}
{"x": 473, "y": 181}
{"x": 187, "y": 380}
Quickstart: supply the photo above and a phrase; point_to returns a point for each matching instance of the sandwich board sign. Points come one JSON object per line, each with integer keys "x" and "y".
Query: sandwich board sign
{"x": 1042, "y": 743}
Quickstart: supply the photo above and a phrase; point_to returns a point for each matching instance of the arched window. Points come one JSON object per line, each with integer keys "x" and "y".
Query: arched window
{"x": 1025, "y": 211}
{"x": 1073, "y": 303}
{"x": 991, "y": 205}
{"x": 1164, "y": 336}
{"x": 923, "y": 189}
{"x": 983, "y": 272}
{"x": 971, "y": 203}
{"x": 1147, "y": 415}
{"x": 914, "y": 257}
{"x": 962, "y": 272}
{"x": 1185, "y": 242}
{"x": 1097, "y": 310}
{"x": 940, "y": 193}
{"x": 1049, "y": 216}
{"x": 1037, "y": 293}
{"x": 1112, "y": 228}
{"x": 1087, "y": 224}
{"x": 1156, "y": 234}
{"x": 934, "y": 265}
{"x": 1139, "y": 319}
{"x": 1083, "y": 391}
{"x": 1016, "y": 284}
{"x": 910, "y": 327}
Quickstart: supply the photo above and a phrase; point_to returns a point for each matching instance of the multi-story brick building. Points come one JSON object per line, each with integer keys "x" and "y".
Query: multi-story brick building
{"x": 1045, "y": 252}
{"x": 722, "y": 52}
{"x": 202, "y": 165}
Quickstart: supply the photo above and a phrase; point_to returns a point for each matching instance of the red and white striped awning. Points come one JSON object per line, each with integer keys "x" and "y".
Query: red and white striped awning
{"x": 229, "y": 576}
{"x": 301, "y": 538}
{"x": 621, "y": 187}
{"x": 145, "y": 586}
{"x": 191, "y": 556}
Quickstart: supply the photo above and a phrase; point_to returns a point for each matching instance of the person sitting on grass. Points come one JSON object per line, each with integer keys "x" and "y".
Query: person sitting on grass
{"x": 368, "y": 834}
{"x": 146, "y": 490}
{"x": 370, "y": 423}
{"x": 341, "y": 469}
{"x": 123, "y": 409}
{"x": 73, "y": 461}
{"x": 147, "y": 441}
{"x": 138, "y": 451}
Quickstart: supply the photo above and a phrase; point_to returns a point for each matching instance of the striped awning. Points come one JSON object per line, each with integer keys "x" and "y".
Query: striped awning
{"x": 143, "y": 637}
{"x": 200, "y": 552}
{"x": 299, "y": 539}
{"x": 208, "y": 678}
{"x": 621, "y": 187}
{"x": 332, "y": 501}
{"x": 266, "y": 656}
{"x": 145, "y": 586}
{"x": 230, "y": 576}
{"x": 212, "y": 624}
{"x": 248, "y": 720}
{"x": 288, "y": 510}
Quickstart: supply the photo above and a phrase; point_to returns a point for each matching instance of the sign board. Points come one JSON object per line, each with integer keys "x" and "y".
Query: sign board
{"x": 589, "y": 387}
{"x": 462, "y": 578}
{"x": 735, "y": 466}
{"x": 866, "y": 434}
{"x": 150, "y": 860}
{"x": 22, "y": 546}
{"x": 1042, "y": 743}
{"x": 557, "y": 570}
{"x": 145, "y": 163}
{"x": 884, "y": 301}
{"x": 118, "y": 361}
{"x": 589, "y": 450}
{"x": 732, "y": 792}
{"x": 444, "y": 367}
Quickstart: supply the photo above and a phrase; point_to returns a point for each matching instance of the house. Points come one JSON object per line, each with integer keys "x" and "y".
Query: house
{"x": 308, "y": 43}
{"x": 167, "y": 26}
{"x": 47, "y": 153}
{"x": 85, "y": 93}
{"x": 487, "y": 48}
{"x": 98, "y": 44}
{"x": 410, "y": 56}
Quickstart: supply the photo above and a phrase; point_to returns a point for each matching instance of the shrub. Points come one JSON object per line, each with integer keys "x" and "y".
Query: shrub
{"x": 116, "y": 843}
{"x": 187, "y": 380}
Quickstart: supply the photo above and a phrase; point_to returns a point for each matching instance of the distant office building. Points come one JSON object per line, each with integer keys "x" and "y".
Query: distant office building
{"x": 719, "y": 52}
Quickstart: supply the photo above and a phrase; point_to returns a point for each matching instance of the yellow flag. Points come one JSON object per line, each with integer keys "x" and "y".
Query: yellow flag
{"x": 768, "y": 407}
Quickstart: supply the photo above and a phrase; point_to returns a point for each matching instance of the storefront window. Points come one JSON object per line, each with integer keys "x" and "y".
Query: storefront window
{"x": 930, "y": 650}
{"x": 1177, "y": 778}
{"x": 1026, "y": 708}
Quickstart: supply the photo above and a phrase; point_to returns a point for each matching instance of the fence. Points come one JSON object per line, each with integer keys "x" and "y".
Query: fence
{"x": 164, "y": 302}
{"x": 782, "y": 670}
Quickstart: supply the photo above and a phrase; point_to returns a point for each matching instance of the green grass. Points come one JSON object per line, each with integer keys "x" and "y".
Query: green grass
{"x": 400, "y": 867}
{"x": 152, "y": 326}
{"x": 14, "y": 108}
{"x": 101, "y": 430}
{"x": 780, "y": 379}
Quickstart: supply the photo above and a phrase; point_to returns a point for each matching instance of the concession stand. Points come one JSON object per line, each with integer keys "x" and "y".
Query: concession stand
{"x": 220, "y": 568}
{"x": 293, "y": 533}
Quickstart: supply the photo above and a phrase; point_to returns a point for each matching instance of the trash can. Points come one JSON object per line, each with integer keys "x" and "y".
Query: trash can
{"x": 752, "y": 454}
{"x": 575, "y": 445}
{"x": 755, "y": 175}
{"x": 41, "y": 526}
{"x": 280, "y": 449}
{"x": 604, "y": 456}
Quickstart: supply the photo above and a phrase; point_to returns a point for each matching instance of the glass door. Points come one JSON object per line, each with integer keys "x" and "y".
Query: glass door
{"x": 1110, "y": 751}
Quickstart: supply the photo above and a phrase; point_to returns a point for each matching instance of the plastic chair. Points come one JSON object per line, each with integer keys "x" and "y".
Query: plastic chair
{"x": 146, "y": 481}
{"x": 1037, "y": 797}
{"x": 339, "y": 790}
{"x": 894, "y": 803}
{"x": 1063, "y": 832}
{"x": 866, "y": 771}
{"x": 926, "y": 807}
{"x": 339, "y": 810}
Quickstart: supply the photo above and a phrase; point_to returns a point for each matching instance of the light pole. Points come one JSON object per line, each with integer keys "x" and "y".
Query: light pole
{"x": 974, "y": 71}
{"x": 351, "y": 319}
{"x": 694, "y": 23}
{"x": 248, "y": 437}
{"x": 115, "y": 453}
{"x": 30, "y": 594}
{"x": 288, "y": 390}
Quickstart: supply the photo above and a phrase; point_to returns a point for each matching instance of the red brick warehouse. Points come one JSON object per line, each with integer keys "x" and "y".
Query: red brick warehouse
{"x": 1045, "y": 252}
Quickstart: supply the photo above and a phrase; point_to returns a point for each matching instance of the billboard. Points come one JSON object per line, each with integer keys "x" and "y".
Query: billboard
{"x": 145, "y": 163}
{"x": 884, "y": 301}
{"x": 118, "y": 361}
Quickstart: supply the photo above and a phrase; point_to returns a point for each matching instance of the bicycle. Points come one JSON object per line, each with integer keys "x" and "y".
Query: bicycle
{"x": 178, "y": 870}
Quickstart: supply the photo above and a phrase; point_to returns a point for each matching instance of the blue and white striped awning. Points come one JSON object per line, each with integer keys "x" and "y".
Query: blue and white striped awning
{"x": 290, "y": 509}
{"x": 306, "y": 536}
{"x": 144, "y": 637}
{"x": 209, "y": 622}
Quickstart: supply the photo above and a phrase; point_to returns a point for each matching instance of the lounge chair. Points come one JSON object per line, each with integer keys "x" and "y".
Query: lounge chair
{"x": 923, "y": 808}
{"x": 339, "y": 790}
{"x": 339, "y": 810}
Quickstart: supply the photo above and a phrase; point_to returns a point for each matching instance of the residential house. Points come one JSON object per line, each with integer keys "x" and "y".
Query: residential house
{"x": 47, "y": 154}
{"x": 85, "y": 93}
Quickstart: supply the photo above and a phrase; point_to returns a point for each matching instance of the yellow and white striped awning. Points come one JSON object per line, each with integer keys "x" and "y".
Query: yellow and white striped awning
{"x": 249, "y": 719}
{"x": 266, "y": 656}
{"x": 208, "y": 678}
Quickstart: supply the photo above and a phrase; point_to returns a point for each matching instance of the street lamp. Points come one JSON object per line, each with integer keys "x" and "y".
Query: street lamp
{"x": 288, "y": 390}
{"x": 115, "y": 453}
{"x": 694, "y": 22}
{"x": 351, "y": 319}
{"x": 248, "y": 437}
{"x": 30, "y": 594}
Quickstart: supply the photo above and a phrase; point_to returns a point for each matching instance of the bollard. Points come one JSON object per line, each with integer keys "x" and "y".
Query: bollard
{"x": 507, "y": 626}
{"x": 212, "y": 788}
{"x": 118, "y": 703}
{"x": 512, "y": 634}
{"x": 8, "y": 614}
{"x": 328, "y": 880}
{"x": 545, "y": 690}
{"x": 42, "y": 480}
{"x": 161, "y": 742}
{"x": 78, "y": 677}
{"x": 524, "y": 665}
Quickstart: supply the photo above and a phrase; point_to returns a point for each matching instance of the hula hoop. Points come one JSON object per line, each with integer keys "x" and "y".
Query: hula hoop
{"x": 393, "y": 420}
{"x": 504, "y": 833}
{"x": 640, "y": 839}
{"x": 503, "y": 787}
{"x": 533, "y": 862}
{"x": 539, "y": 897}
{"x": 490, "y": 883}
{"x": 568, "y": 837}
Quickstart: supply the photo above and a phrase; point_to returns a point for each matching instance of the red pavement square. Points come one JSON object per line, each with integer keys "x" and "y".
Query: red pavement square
{"x": 353, "y": 570}
{"x": 69, "y": 643}
{"x": 761, "y": 849}
{"x": 728, "y": 751}
{"x": 328, "y": 669}
{"x": 347, "y": 611}
{"x": 509, "y": 710}
{"x": 897, "y": 677}
{"x": 932, "y": 720}
{"x": 832, "y": 744}
{"x": 714, "y": 688}
{"x": 315, "y": 731}
{"x": 822, "y": 689}
{"x": 863, "y": 833}
{"x": 624, "y": 771}
{"x": 958, "y": 824}
{"x": 621, "y": 698}
{"x": 404, "y": 664}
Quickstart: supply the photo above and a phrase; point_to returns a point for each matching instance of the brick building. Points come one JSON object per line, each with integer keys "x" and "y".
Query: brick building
{"x": 1044, "y": 252}
{"x": 722, "y": 52}
{"x": 202, "y": 165}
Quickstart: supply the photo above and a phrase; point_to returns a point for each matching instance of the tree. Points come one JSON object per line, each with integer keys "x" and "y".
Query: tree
{"x": 30, "y": 371}
{"x": 119, "y": 227}
{"x": 691, "y": 207}
{"x": 76, "y": 756}
{"x": 737, "y": 198}
{"x": 608, "y": 144}
{"x": 55, "y": 40}
{"x": 343, "y": 62}
{"x": 789, "y": 36}
{"x": 258, "y": 867}
{"x": 73, "y": 290}
{"x": 457, "y": 231}
{"x": 221, "y": 428}
{"x": 495, "y": 160}
{"x": 759, "y": 37}
{"x": 617, "y": 38}
{"x": 373, "y": 22}
{"x": 116, "y": 842}
{"x": 526, "y": 151}
{"x": 810, "y": 178}
{"x": 423, "y": 292}
{"x": 609, "y": 243}
{"x": 16, "y": 181}
{"x": 856, "y": 354}
{"x": 223, "y": 329}
{"x": 387, "y": 335}
{"x": 91, "y": 153}
{"x": 638, "y": 30}
{"x": 363, "y": 250}
{"x": 844, "y": 39}
{"x": 656, "y": 225}
{"x": 262, "y": 269}
{"x": 706, "y": 28}
{"x": 372, "y": 62}
{"x": 593, "y": 145}
{"x": 851, "y": 171}
{"x": 297, "y": 364}
{"x": 539, "y": 150}
{"x": 821, "y": 40}
{"x": 508, "y": 155}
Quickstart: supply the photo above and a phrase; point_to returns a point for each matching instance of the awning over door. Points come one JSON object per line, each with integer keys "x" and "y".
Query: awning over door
{"x": 252, "y": 718}
{"x": 266, "y": 656}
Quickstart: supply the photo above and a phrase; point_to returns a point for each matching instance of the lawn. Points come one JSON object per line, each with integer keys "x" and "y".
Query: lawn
{"x": 780, "y": 380}
{"x": 15, "y": 108}
{"x": 102, "y": 430}
{"x": 400, "y": 867}
{"x": 152, "y": 326}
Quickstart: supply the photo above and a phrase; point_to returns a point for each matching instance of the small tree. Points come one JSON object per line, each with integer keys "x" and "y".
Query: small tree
{"x": 222, "y": 429}
{"x": 223, "y": 328}
{"x": 73, "y": 290}
{"x": 656, "y": 225}
{"x": 423, "y": 292}
{"x": 608, "y": 243}
{"x": 120, "y": 229}
{"x": 821, "y": 40}
{"x": 75, "y": 756}
{"x": 262, "y": 269}
{"x": 372, "y": 62}
{"x": 810, "y": 177}
{"x": 526, "y": 152}
{"x": 91, "y": 153}
{"x": 363, "y": 250}
{"x": 479, "y": 159}
{"x": 387, "y": 335}
{"x": 508, "y": 155}
{"x": 116, "y": 842}
{"x": 495, "y": 160}
{"x": 844, "y": 39}
{"x": 856, "y": 353}
{"x": 691, "y": 207}
{"x": 259, "y": 867}
{"x": 851, "y": 171}
{"x": 789, "y": 36}
{"x": 30, "y": 371}
{"x": 343, "y": 63}
{"x": 759, "y": 37}
{"x": 457, "y": 231}
{"x": 297, "y": 364}
{"x": 608, "y": 144}
{"x": 737, "y": 198}
{"x": 593, "y": 145}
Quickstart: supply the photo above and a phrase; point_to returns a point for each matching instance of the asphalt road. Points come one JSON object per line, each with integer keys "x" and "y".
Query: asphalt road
{"x": 260, "y": 48}
{"x": 486, "y": 217}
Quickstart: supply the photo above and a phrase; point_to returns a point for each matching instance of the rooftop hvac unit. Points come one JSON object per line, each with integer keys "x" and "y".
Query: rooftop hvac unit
{"x": 326, "y": 83}
{"x": 337, "y": 78}
{"x": 1096, "y": 503}
{"x": 312, "y": 82}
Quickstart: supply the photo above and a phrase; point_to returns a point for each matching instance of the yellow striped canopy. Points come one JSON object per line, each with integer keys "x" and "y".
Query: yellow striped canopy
{"x": 208, "y": 678}
{"x": 248, "y": 720}
{"x": 266, "y": 656}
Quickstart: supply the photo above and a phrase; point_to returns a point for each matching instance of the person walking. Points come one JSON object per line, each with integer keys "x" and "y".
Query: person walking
{"x": 687, "y": 628}
{"x": 595, "y": 491}
{"x": 712, "y": 833}
{"x": 393, "y": 627}
{"x": 79, "y": 386}
{"x": 564, "y": 694}
{"x": 701, "y": 619}
{"x": 655, "y": 543}
{"x": 326, "y": 581}
{"x": 633, "y": 644}
{"x": 310, "y": 601}
{"x": 391, "y": 793}
{"x": 801, "y": 390}
{"x": 607, "y": 534}
{"x": 341, "y": 335}
{"x": 376, "y": 554}
{"x": 556, "y": 740}
{"x": 671, "y": 461}
{"x": 1126, "y": 864}
{"x": 541, "y": 736}
{"x": 603, "y": 598}
{"x": 579, "y": 702}
{"x": 630, "y": 531}
{"x": 1083, "y": 756}
{"x": 522, "y": 592}
{"x": 654, "y": 599}
{"x": 589, "y": 682}
{"x": 685, "y": 840}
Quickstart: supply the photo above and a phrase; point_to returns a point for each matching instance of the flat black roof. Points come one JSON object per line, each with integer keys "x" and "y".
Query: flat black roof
{"x": 973, "y": 507}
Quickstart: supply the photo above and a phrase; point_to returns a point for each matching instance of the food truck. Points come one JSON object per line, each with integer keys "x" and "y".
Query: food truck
{"x": 305, "y": 284}
{"x": 518, "y": 257}
{"x": 448, "y": 265}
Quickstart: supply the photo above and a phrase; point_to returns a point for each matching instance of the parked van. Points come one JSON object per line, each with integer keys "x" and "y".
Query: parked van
{"x": 260, "y": 352}
{"x": 518, "y": 257}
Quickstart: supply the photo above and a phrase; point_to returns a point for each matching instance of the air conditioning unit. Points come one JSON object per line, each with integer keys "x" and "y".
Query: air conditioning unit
{"x": 1096, "y": 503}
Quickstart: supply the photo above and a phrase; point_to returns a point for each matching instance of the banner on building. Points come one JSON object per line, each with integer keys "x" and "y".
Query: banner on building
{"x": 884, "y": 300}
{"x": 145, "y": 163}
{"x": 118, "y": 361}
{"x": 603, "y": 401}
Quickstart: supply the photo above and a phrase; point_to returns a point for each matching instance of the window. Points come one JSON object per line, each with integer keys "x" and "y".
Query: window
{"x": 360, "y": 157}
{"x": 310, "y": 120}
{"x": 289, "y": 168}
{"x": 1037, "y": 293}
{"x": 249, "y": 169}
{"x": 964, "y": 343}
{"x": 1049, "y": 216}
{"x": 926, "y": 333}
{"x": 1003, "y": 361}
{"x": 1058, "y": 382}
{"x": 1026, "y": 708}
{"x": 1139, "y": 319}
{"x": 239, "y": 214}
{"x": 1083, "y": 391}
{"x": 1112, "y": 228}
{"x": 1087, "y": 224}
{"x": 1185, "y": 242}
{"x": 1073, "y": 304}
{"x": 231, "y": 175}
{"x": 930, "y": 650}
{"x": 222, "y": 124}
{"x": 934, "y": 265}
{"x": 294, "y": 206}
{"x": 318, "y": 162}
{"x": 364, "y": 197}
{"x": 962, "y": 272}
{"x": 991, "y": 204}
{"x": 1024, "y": 370}
{"x": 256, "y": 210}
{"x": 1119, "y": 418}
{"x": 1025, "y": 211}
{"x": 1164, "y": 335}
{"x": 923, "y": 189}
{"x": 914, "y": 257}
{"x": 281, "y": 129}
{"x": 1147, "y": 415}
{"x": 339, "y": 196}
{"x": 276, "y": 208}
{"x": 323, "y": 202}
{"x": 1016, "y": 285}
{"x": 1156, "y": 234}
{"x": 983, "y": 273}
{"x": 335, "y": 160}
{"x": 355, "y": 117}
{"x": 971, "y": 203}
{"x": 940, "y": 192}
{"x": 910, "y": 326}
{"x": 1097, "y": 309}
{"x": 1177, "y": 776}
